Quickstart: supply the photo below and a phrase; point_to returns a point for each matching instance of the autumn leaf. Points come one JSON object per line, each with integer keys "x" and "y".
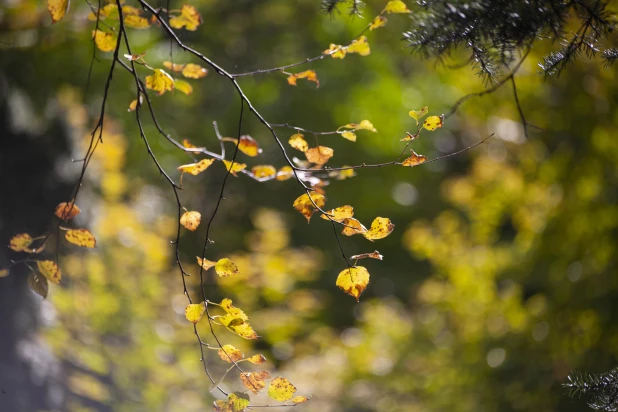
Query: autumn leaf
{"x": 281, "y": 389}
{"x": 339, "y": 214}
{"x": 319, "y": 155}
{"x": 305, "y": 205}
{"x": 66, "y": 211}
{"x": 186, "y": 143}
{"x": 194, "y": 71}
{"x": 5, "y": 272}
{"x": 380, "y": 228}
{"x": 433, "y": 122}
{"x": 351, "y": 136}
{"x": 194, "y": 312}
{"x": 226, "y": 305}
{"x": 257, "y": 359}
{"x": 373, "y": 255}
{"x": 191, "y": 220}
{"x": 310, "y": 75}
{"x": 183, "y": 86}
{"x": 21, "y": 242}
{"x": 38, "y": 284}
{"x": 173, "y": 66}
{"x": 353, "y": 281}
{"x": 50, "y": 270}
{"x": 230, "y": 354}
{"x": 254, "y": 381}
{"x": 134, "y": 57}
{"x": 263, "y": 171}
{"x": 366, "y": 125}
{"x": 225, "y": 267}
{"x": 196, "y": 168}
{"x": 234, "y": 167}
{"x": 418, "y": 114}
{"x": 130, "y": 10}
{"x": 298, "y": 142}
{"x": 189, "y": 18}
{"x": 353, "y": 227}
{"x": 57, "y": 9}
{"x": 335, "y": 51}
{"x": 396, "y": 6}
{"x": 414, "y": 159}
{"x": 342, "y": 174}
{"x": 160, "y": 82}
{"x": 239, "y": 327}
{"x": 359, "y": 46}
{"x": 133, "y": 104}
{"x": 410, "y": 136}
{"x": 81, "y": 237}
{"x": 300, "y": 399}
{"x": 379, "y": 21}
{"x": 136, "y": 22}
{"x": 205, "y": 263}
{"x": 236, "y": 402}
{"x": 105, "y": 41}
{"x": 249, "y": 146}
{"x": 285, "y": 173}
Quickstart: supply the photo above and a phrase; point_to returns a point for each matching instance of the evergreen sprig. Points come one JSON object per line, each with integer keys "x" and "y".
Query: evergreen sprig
{"x": 602, "y": 389}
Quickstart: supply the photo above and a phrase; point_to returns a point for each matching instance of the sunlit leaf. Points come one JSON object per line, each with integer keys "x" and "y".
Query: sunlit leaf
{"x": 105, "y": 41}
{"x": 319, "y": 155}
{"x": 339, "y": 214}
{"x": 352, "y": 227}
{"x": 186, "y": 143}
{"x": 194, "y": 312}
{"x": 310, "y": 75}
{"x": 335, "y": 51}
{"x": 160, "y": 82}
{"x": 136, "y": 22}
{"x": 50, "y": 270}
{"x": 38, "y": 284}
{"x": 111, "y": 11}
{"x": 418, "y": 114}
{"x": 414, "y": 159}
{"x": 263, "y": 171}
{"x": 133, "y": 104}
{"x": 280, "y": 389}
{"x": 300, "y": 399}
{"x": 342, "y": 174}
{"x": 366, "y": 125}
{"x": 380, "y": 228}
{"x": 226, "y": 305}
{"x": 254, "y": 381}
{"x": 396, "y": 6}
{"x": 249, "y": 146}
{"x": 285, "y": 173}
{"x": 66, "y": 211}
{"x": 194, "y": 71}
{"x": 130, "y": 10}
{"x": 433, "y": 122}
{"x": 173, "y": 66}
{"x": 134, "y": 57}
{"x": 410, "y": 136}
{"x": 305, "y": 204}
{"x": 379, "y": 21}
{"x": 189, "y": 18}
{"x": 81, "y": 237}
{"x": 298, "y": 142}
{"x": 359, "y": 46}
{"x": 196, "y": 168}
{"x": 191, "y": 220}
{"x": 21, "y": 242}
{"x": 353, "y": 281}
{"x": 351, "y": 136}
{"x": 257, "y": 359}
{"x": 205, "y": 263}
{"x": 57, "y": 9}
{"x": 183, "y": 86}
{"x": 373, "y": 255}
{"x": 230, "y": 354}
{"x": 236, "y": 402}
{"x": 5, "y": 272}
{"x": 225, "y": 267}
{"x": 234, "y": 167}
{"x": 239, "y": 327}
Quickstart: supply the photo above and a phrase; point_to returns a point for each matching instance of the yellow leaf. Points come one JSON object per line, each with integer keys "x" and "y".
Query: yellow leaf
{"x": 359, "y": 46}
{"x": 189, "y": 18}
{"x": 194, "y": 71}
{"x": 300, "y": 399}
{"x": 225, "y": 267}
{"x": 160, "y": 82}
{"x": 110, "y": 11}
{"x": 373, "y": 255}
{"x": 5, "y": 272}
{"x": 130, "y": 10}
{"x": 339, "y": 214}
{"x": 285, "y": 173}
{"x": 191, "y": 220}
{"x": 342, "y": 174}
{"x": 366, "y": 125}
{"x": 298, "y": 142}
{"x": 249, "y": 146}
{"x": 50, "y": 270}
{"x": 335, "y": 51}
{"x": 410, "y": 137}
{"x": 310, "y": 75}
{"x": 236, "y": 402}
{"x": 38, "y": 284}
{"x": 81, "y": 237}
{"x": 263, "y": 171}
{"x": 57, "y": 9}
{"x": 396, "y": 6}
{"x": 380, "y": 228}
{"x": 234, "y": 167}
{"x": 351, "y": 136}
{"x": 305, "y": 205}
{"x": 173, "y": 66}
{"x": 183, "y": 86}
{"x": 194, "y": 312}
{"x": 379, "y": 21}
{"x": 254, "y": 381}
{"x": 319, "y": 155}
{"x": 414, "y": 159}
{"x": 353, "y": 281}
{"x": 281, "y": 389}
{"x": 205, "y": 263}
{"x": 105, "y": 41}
{"x": 229, "y": 353}
{"x": 239, "y": 327}
{"x": 136, "y": 22}
{"x": 226, "y": 305}
{"x": 418, "y": 114}
{"x": 196, "y": 168}
{"x": 66, "y": 211}
{"x": 432, "y": 123}
{"x": 257, "y": 359}
{"x": 21, "y": 242}
{"x": 352, "y": 227}
{"x": 186, "y": 143}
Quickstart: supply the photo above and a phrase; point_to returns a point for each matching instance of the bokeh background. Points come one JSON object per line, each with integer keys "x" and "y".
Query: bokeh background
{"x": 499, "y": 279}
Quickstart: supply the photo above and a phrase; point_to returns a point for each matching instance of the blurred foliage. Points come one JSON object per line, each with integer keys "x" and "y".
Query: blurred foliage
{"x": 499, "y": 279}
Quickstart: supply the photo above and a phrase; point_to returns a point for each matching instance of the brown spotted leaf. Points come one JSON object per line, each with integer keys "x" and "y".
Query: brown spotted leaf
{"x": 234, "y": 167}
{"x": 230, "y": 354}
{"x": 66, "y": 211}
{"x": 379, "y": 21}
{"x": 57, "y": 9}
{"x": 196, "y": 168}
{"x": 414, "y": 159}
{"x": 225, "y": 267}
{"x": 305, "y": 204}
{"x": 257, "y": 359}
{"x": 281, "y": 389}
{"x": 254, "y": 381}
{"x": 310, "y": 75}
{"x": 352, "y": 227}
{"x": 433, "y": 122}
{"x": 81, "y": 237}
{"x": 298, "y": 142}
{"x": 353, "y": 281}
{"x": 50, "y": 270}
{"x": 21, "y": 242}
{"x": 339, "y": 214}
{"x": 380, "y": 228}
{"x": 191, "y": 220}
{"x": 249, "y": 146}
